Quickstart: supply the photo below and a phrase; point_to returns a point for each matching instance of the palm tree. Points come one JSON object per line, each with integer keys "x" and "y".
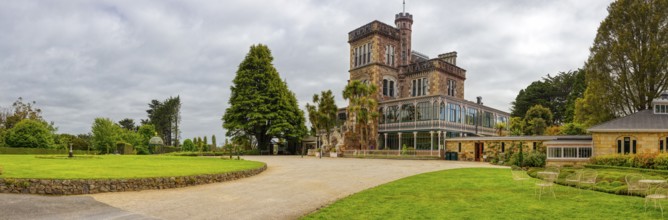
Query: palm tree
{"x": 363, "y": 108}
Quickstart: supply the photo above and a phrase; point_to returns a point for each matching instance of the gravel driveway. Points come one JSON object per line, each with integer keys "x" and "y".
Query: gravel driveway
{"x": 291, "y": 187}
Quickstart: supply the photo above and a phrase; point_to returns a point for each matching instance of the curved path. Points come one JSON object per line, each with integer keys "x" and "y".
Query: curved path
{"x": 290, "y": 187}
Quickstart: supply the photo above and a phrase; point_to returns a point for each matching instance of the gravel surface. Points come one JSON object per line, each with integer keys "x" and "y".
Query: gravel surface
{"x": 290, "y": 187}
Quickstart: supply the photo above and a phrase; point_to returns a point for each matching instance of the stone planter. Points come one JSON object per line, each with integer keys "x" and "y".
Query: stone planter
{"x": 317, "y": 154}
{"x": 333, "y": 154}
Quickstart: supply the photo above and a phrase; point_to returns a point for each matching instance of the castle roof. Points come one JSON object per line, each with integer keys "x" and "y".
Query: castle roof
{"x": 642, "y": 121}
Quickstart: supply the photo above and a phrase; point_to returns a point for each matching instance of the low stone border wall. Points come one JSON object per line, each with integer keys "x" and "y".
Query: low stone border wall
{"x": 90, "y": 186}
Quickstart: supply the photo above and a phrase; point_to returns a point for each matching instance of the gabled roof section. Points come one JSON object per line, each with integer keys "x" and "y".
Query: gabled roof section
{"x": 642, "y": 121}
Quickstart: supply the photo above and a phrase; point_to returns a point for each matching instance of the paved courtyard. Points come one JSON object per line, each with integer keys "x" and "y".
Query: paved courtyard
{"x": 291, "y": 187}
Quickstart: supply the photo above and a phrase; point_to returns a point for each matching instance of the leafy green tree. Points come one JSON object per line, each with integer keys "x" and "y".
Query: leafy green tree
{"x": 558, "y": 93}
{"x": 536, "y": 126}
{"x": 20, "y": 111}
{"x": 516, "y": 126}
{"x": 127, "y": 124}
{"x": 199, "y": 144}
{"x": 213, "y": 142}
{"x": 627, "y": 66}
{"x": 536, "y": 120}
{"x": 188, "y": 145}
{"x": 205, "y": 144}
{"x": 166, "y": 117}
{"x": 573, "y": 129}
{"x": 260, "y": 104}
{"x": 323, "y": 113}
{"x": 29, "y": 133}
{"x": 363, "y": 109}
{"x": 105, "y": 135}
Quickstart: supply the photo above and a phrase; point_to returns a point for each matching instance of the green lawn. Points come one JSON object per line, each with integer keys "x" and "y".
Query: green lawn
{"x": 116, "y": 166}
{"x": 480, "y": 194}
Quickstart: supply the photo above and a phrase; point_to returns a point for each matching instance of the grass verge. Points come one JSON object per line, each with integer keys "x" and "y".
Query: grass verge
{"x": 117, "y": 166}
{"x": 480, "y": 194}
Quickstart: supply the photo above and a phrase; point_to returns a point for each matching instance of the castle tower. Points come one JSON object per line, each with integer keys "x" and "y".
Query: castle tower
{"x": 404, "y": 22}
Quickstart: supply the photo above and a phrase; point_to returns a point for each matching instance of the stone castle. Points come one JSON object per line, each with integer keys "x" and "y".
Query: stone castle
{"x": 420, "y": 99}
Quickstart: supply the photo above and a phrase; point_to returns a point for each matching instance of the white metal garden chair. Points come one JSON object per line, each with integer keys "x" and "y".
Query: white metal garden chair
{"x": 546, "y": 183}
{"x": 589, "y": 178}
{"x": 633, "y": 184}
{"x": 574, "y": 178}
{"x": 519, "y": 175}
{"x": 657, "y": 195}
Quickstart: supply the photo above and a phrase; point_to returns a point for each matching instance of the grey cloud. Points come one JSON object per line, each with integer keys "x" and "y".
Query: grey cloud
{"x": 85, "y": 59}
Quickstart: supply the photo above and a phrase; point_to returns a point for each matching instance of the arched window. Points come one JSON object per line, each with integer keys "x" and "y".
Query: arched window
{"x": 407, "y": 113}
{"x": 663, "y": 144}
{"x": 391, "y": 88}
{"x": 392, "y": 114}
{"x": 442, "y": 112}
{"x": 626, "y": 145}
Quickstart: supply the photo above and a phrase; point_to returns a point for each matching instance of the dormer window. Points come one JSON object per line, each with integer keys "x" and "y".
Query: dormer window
{"x": 661, "y": 109}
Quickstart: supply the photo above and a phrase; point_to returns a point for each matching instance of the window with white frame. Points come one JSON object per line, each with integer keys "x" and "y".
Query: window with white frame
{"x": 452, "y": 87}
{"x": 660, "y": 109}
{"x": 569, "y": 152}
{"x": 388, "y": 87}
{"x": 389, "y": 55}
{"x": 362, "y": 55}
{"x": 420, "y": 87}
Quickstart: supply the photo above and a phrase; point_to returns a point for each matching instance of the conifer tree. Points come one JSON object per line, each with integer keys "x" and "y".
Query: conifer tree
{"x": 260, "y": 103}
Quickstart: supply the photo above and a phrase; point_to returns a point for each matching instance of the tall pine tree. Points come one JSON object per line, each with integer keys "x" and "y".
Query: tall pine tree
{"x": 260, "y": 104}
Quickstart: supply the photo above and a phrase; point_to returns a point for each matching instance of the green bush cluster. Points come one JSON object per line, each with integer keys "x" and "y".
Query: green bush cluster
{"x": 529, "y": 159}
{"x": 641, "y": 160}
{"x": 14, "y": 150}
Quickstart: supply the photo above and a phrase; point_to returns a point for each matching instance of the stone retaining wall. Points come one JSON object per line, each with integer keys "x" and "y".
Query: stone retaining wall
{"x": 90, "y": 186}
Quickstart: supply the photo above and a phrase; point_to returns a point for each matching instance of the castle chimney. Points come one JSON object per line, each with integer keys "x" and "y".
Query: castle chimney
{"x": 450, "y": 57}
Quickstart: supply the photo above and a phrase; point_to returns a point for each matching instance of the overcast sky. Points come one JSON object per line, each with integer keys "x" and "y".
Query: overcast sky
{"x": 85, "y": 59}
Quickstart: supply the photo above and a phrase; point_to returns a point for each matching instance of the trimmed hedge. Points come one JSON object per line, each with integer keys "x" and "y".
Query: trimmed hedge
{"x": 20, "y": 150}
{"x": 642, "y": 160}
{"x": 642, "y": 170}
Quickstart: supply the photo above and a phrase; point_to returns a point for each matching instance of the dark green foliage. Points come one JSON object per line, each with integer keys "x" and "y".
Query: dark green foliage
{"x": 165, "y": 117}
{"x": 640, "y": 160}
{"x": 128, "y": 124}
{"x": 105, "y": 135}
{"x": 573, "y": 129}
{"x": 364, "y": 109}
{"x": 13, "y": 150}
{"x": 213, "y": 143}
{"x": 627, "y": 66}
{"x": 205, "y": 145}
{"x": 188, "y": 145}
{"x": 536, "y": 120}
{"x": 31, "y": 134}
{"x": 20, "y": 111}
{"x": 557, "y": 93}
{"x": 322, "y": 113}
{"x": 260, "y": 104}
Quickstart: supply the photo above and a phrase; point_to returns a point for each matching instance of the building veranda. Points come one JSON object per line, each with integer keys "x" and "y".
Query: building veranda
{"x": 421, "y": 100}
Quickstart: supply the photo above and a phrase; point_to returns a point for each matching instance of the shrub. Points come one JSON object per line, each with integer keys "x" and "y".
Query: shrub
{"x": 30, "y": 134}
{"x": 141, "y": 150}
{"x": 19, "y": 150}
{"x": 252, "y": 152}
{"x": 535, "y": 159}
{"x": 611, "y": 160}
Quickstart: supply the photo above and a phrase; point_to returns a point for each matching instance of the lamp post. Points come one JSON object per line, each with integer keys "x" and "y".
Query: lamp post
{"x": 317, "y": 140}
{"x": 70, "y": 156}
